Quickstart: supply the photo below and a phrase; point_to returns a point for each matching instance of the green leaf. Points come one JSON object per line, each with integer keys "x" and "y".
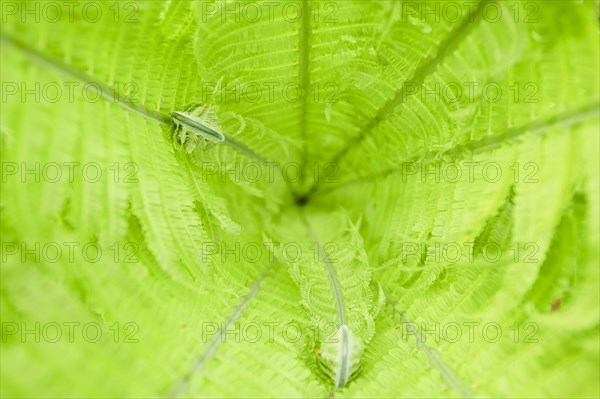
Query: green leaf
{"x": 405, "y": 201}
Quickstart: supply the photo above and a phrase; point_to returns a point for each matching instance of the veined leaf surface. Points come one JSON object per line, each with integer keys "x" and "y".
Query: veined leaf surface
{"x": 405, "y": 202}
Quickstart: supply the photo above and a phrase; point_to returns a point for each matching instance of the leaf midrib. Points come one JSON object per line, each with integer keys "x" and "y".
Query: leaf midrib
{"x": 426, "y": 68}
{"x": 458, "y": 152}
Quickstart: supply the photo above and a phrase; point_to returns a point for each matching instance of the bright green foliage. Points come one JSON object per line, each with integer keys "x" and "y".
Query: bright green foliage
{"x": 409, "y": 280}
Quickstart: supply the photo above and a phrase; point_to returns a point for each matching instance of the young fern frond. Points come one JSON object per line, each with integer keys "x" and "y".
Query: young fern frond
{"x": 340, "y": 357}
{"x": 421, "y": 103}
{"x": 333, "y": 276}
{"x": 194, "y": 127}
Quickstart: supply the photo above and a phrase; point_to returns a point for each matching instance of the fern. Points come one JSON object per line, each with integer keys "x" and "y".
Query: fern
{"x": 300, "y": 199}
